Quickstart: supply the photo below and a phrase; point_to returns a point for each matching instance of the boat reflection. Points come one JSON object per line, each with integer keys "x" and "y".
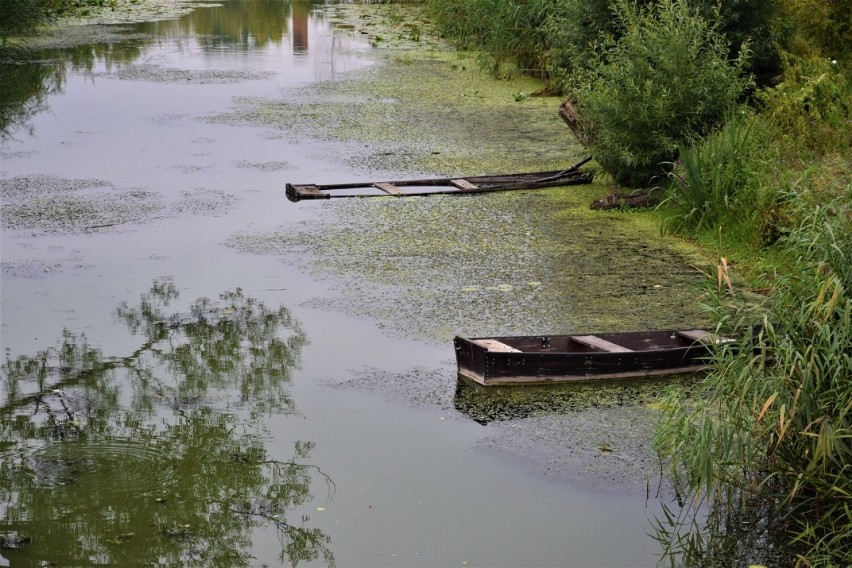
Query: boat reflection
{"x": 496, "y": 404}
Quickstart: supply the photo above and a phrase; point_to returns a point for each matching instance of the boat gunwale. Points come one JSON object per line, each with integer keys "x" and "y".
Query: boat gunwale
{"x": 609, "y": 336}
{"x": 695, "y": 357}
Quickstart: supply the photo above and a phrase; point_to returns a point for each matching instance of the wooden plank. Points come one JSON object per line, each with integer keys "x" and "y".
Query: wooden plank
{"x": 696, "y": 335}
{"x": 463, "y": 184}
{"x": 598, "y": 343}
{"x": 494, "y": 345}
{"x": 703, "y": 336}
{"x": 388, "y": 188}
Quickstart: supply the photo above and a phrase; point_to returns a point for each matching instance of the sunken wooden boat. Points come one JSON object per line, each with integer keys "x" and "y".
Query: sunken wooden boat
{"x": 435, "y": 186}
{"x": 561, "y": 358}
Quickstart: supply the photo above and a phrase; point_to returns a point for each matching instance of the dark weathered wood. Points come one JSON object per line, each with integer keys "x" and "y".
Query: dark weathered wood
{"x": 466, "y": 185}
{"x": 306, "y": 191}
{"x": 571, "y": 117}
{"x": 554, "y": 358}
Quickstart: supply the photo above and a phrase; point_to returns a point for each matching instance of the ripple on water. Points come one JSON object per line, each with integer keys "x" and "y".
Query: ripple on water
{"x": 114, "y": 466}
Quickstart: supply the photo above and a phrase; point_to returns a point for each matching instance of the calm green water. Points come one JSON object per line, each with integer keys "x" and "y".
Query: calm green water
{"x": 169, "y": 398}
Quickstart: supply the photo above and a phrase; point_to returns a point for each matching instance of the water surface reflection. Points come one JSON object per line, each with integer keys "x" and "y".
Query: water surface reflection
{"x": 281, "y": 28}
{"x": 158, "y": 456}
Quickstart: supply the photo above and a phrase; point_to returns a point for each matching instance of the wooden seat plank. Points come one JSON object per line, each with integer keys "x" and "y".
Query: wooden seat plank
{"x": 599, "y": 343}
{"x": 388, "y": 188}
{"x": 494, "y": 345}
{"x": 703, "y": 336}
{"x": 463, "y": 184}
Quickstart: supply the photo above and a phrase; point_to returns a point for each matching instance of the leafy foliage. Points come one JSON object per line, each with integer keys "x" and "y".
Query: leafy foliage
{"x": 810, "y": 110}
{"x": 663, "y": 81}
{"x": 24, "y": 17}
{"x": 813, "y": 28}
{"x": 18, "y": 17}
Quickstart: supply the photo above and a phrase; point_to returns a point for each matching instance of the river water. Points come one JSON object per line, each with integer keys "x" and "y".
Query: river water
{"x": 198, "y": 371}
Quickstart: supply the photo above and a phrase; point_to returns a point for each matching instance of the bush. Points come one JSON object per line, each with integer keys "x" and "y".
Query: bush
{"x": 817, "y": 28}
{"x": 810, "y": 111}
{"x": 664, "y": 81}
{"x": 577, "y": 25}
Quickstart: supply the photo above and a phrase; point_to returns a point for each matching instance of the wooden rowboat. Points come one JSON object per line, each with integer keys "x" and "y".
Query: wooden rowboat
{"x": 559, "y": 358}
{"x": 434, "y": 186}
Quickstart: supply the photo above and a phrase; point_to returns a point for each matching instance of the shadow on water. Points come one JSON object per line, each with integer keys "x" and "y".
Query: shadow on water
{"x": 157, "y": 456}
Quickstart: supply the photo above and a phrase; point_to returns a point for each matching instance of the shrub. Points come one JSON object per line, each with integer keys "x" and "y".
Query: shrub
{"x": 664, "y": 81}
{"x": 817, "y": 28}
{"x": 810, "y": 111}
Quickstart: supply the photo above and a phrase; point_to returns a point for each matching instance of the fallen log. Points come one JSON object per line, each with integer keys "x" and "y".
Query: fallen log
{"x": 630, "y": 201}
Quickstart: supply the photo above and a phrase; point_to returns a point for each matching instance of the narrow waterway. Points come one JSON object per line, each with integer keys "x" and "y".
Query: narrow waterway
{"x": 197, "y": 371}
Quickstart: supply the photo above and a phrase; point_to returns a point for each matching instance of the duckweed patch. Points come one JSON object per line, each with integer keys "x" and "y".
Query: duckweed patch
{"x": 593, "y": 434}
{"x": 30, "y": 269}
{"x": 54, "y": 205}
{"x": 602, "y": 448}
{"x": 426, "y": 108}
{"x": 506, "y": 263}
{"x": 157, "y": 74}
{"x": 133, "y": 11}
{"x": 424, "y": 117}
{"x": 417, "y": 387}
{"x": 387, "y": 27}
{"x": 274, "y": 166}
{"x": 67, "y": 35}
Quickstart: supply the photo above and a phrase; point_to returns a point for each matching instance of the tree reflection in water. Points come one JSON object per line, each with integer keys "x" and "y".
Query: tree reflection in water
{"x": 157, "y": 457}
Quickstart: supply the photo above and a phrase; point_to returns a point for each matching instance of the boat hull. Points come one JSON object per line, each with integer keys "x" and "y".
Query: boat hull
{"x": 543, "y": 359}
{"x": 436, "y": 186}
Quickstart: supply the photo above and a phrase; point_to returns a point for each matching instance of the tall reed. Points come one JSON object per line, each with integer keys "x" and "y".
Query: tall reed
{"x": 713, "y": 178}
{"x": 773, "y": 431}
